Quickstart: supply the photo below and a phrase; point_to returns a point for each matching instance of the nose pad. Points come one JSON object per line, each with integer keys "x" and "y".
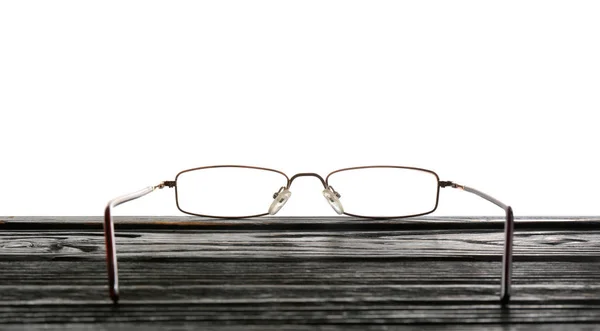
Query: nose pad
{"x": 333, "y": 201}
{"x": 280, "y": 199}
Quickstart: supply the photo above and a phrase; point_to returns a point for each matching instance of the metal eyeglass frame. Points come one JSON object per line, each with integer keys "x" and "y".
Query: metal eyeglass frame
{"x": 109, "y": 233}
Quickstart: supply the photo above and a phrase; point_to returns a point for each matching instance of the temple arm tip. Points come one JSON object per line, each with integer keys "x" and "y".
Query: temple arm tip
{"x": 114, "y": 295}
{"x": 504, "y": 300}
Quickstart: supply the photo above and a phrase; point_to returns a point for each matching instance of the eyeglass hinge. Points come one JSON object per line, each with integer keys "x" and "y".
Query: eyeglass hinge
{"x": 167, "y": 183}
{"x": 449, "y": 183}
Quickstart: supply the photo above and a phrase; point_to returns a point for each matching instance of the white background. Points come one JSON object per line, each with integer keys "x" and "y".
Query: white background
{"x": 103, "y": 98}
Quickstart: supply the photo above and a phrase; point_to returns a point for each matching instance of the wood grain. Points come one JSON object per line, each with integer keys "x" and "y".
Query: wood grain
{"x": 299, "y": 273}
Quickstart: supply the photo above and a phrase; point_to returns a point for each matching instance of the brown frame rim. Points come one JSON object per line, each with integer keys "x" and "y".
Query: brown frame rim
{"x": 224, "y": 166}
{"x": 437, "y": 195}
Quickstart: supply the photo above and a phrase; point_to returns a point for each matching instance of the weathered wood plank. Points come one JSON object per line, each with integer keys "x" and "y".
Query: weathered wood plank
{"x": 157, "y": 325}
{"x": 298, "y": 273}
{"x": 301, "y": 281}
{"x": 477, "y": 244}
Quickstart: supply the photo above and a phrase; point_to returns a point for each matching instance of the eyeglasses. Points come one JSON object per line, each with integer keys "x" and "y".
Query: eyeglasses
{"x": 377, "y": 192}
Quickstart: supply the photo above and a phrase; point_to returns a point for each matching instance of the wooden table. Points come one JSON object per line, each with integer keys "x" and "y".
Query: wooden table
{"x": 298, "y": 274}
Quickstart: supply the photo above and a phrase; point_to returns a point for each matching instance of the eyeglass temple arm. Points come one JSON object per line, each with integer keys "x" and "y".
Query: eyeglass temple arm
{"x": 508, "y": 237}
{"x": 109, "y": 235}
